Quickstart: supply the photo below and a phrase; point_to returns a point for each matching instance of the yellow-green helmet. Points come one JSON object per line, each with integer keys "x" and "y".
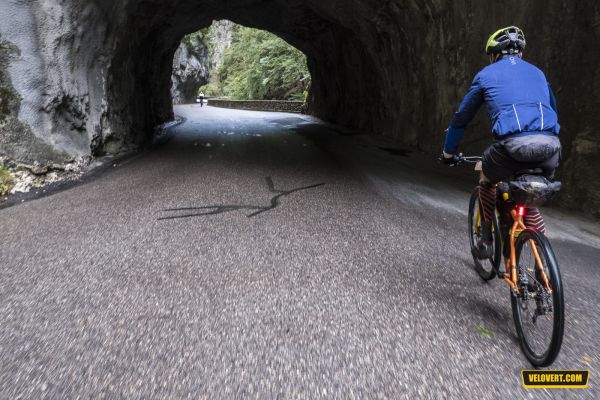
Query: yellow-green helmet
{"x": 509, "y": 40}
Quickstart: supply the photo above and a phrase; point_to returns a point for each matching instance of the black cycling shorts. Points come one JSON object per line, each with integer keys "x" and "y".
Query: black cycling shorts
{"x": 498, "y": 165}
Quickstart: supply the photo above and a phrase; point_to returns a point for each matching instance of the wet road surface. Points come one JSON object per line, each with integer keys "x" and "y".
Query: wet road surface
{"x": 265, "y": 255}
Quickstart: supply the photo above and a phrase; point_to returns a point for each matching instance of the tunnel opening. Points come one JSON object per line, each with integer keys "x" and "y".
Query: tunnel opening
{"x": 232, "y": 62}
{"x": 139, "y": 69}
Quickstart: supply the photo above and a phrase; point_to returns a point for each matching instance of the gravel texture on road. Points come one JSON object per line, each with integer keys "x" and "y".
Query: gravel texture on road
{"x": 358, "y": 285}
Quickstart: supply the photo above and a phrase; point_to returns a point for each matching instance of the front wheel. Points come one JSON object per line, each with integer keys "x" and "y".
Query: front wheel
{"x": 487, "y": 269}
{"x": 537, "y": 312}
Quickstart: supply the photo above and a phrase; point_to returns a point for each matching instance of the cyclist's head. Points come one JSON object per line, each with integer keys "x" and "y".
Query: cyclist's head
{"x": 505, "y": 41}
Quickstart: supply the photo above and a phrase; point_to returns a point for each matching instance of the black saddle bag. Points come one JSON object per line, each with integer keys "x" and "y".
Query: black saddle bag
{"x": 533, "y": 190}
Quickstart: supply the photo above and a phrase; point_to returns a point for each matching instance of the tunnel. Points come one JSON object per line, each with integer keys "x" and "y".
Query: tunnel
{"x": 88, "y": 79}
{"x": 276, "y": 255}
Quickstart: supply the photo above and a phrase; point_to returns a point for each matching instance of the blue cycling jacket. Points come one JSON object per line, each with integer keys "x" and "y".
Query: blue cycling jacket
{"x": 518, "y": 98}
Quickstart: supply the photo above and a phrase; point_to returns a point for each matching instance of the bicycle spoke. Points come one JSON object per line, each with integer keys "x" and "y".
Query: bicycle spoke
{"x": 535, "y": 302}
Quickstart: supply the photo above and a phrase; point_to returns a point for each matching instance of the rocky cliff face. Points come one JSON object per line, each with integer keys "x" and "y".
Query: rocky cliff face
{"x": 92, "y": 77}
{"x": 198, "y": 58}
{"x": 190, "y": 69}
{"x": 220, "y": 35}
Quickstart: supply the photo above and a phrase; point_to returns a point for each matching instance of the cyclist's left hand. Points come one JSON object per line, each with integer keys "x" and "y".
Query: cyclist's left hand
{"x": 449, "y": 159}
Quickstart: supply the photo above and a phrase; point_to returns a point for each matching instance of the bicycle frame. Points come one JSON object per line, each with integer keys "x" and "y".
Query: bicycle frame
{"x": 510, "y": 274}
{"x": 510, "y": 264}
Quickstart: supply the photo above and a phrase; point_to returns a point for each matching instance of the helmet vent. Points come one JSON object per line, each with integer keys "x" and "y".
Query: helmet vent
{"x": 510, "y": 40}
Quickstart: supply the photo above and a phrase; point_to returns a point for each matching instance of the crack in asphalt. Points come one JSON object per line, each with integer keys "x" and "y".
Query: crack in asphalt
{"x": 225, "y": 208}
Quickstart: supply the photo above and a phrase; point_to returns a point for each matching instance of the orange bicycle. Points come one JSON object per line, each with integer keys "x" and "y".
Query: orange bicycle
{"x": 530, "y": 267}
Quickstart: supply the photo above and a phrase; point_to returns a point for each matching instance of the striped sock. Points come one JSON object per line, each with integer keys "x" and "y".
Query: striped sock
{"x": 533, "y": 219}
{"x": 487, "y": 201}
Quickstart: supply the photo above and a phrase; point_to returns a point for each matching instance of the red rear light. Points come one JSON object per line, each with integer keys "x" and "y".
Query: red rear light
{"x": 521, "y": 211}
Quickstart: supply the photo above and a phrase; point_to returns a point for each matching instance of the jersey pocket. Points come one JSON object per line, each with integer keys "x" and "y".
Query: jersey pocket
{"x": 549, "y": 120}
{"x": 531, "y": 116}
{"x": 507, "y": 122}
{"x": 528, "y": 117}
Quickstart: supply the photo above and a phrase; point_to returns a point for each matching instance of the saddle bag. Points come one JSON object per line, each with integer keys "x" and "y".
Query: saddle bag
{"x": 533, "y": 190}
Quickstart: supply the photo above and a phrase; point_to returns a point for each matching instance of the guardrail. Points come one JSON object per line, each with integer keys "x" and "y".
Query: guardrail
{"x": 258, "y": 105}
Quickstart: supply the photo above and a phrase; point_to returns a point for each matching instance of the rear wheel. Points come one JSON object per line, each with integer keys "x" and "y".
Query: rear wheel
{"x": 538, "y": 313}
{"x": 487, "y": 269}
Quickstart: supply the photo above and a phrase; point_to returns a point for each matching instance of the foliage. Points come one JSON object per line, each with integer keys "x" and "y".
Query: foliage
{"x": 6, "y": 182}
{"x": 261, "y": 66}
{"x": 212, "y": 89}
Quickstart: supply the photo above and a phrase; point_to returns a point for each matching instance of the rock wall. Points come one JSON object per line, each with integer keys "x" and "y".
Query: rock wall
{"x": 190, "y": 69}
{"x": 259, "y": 105}
{"x": 198, "y": 59}
{"x": 54, "y": 87}
{"x": 92, "y": 77}
{"x": 220, "y": 35}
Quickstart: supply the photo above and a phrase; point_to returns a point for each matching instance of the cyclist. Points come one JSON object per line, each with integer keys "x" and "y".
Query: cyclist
{"x": 525, "y": 125}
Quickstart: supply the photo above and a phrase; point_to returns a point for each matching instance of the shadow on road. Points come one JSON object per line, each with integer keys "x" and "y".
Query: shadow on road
{"x": 221, "y": 209}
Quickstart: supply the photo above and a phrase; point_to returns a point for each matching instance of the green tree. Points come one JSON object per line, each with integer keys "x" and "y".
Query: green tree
{"x": 259, "y": 65}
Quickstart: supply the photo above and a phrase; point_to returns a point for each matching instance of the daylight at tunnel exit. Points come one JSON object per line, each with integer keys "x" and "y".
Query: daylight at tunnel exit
{"x": 299, "y": 199}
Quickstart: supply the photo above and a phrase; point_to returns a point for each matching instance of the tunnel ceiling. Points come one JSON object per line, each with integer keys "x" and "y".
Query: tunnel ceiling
{"x": 92, "y": 77}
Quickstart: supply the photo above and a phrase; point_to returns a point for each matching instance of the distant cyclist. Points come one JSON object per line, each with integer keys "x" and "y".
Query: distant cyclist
{"x": 525, "y": 125}
{"x": 200, "y": 98}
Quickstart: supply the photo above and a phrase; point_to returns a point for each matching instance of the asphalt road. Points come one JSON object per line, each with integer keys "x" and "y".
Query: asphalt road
{"x": 324, "y": 267}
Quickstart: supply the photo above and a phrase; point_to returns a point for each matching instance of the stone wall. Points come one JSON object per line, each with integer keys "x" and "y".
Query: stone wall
{"x": 258, "y": 105}
{"x": 92, "y": 77}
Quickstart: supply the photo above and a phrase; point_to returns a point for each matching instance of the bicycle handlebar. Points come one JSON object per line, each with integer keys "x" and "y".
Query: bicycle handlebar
{"x": 469, "y": 159}
{"x": 458, "y": 159}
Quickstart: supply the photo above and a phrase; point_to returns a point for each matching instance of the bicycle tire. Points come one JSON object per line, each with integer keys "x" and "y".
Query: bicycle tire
{"x": 494, "y": 263}
{"x": 547, "y": 357}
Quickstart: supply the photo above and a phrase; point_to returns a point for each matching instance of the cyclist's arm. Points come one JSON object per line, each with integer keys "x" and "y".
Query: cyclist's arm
{"x": 465, "y": 114}
{"x": 552, "y": 99}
